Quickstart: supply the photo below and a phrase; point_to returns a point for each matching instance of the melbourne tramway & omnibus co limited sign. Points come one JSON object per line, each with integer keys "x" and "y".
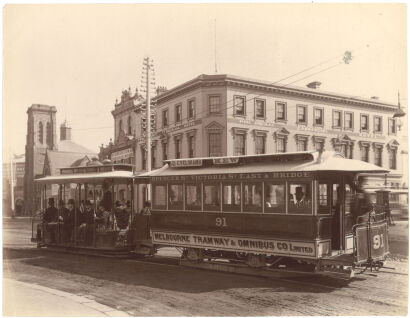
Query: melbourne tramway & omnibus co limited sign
{"x": 235, "y": 243}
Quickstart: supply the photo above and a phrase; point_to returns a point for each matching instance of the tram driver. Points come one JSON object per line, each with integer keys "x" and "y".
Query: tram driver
{"x": 361, "y": 205}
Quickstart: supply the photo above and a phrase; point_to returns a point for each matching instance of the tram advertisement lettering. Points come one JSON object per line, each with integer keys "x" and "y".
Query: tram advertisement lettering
{"x": 234, "y": 176}
{"x": 186, "y": 163}
{"x": 235, "y": 243}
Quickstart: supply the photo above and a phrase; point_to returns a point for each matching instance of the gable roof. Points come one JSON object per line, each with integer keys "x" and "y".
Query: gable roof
{"x": 71, "y": 146}
{"x": 57, "y": 159}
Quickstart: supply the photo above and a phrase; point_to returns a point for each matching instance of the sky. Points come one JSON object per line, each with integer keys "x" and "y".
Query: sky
{"x": 79, "y": 58}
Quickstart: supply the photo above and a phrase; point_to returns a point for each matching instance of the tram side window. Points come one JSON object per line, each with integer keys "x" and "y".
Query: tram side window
{"x": 193, "y": 197}
{"x": 175, "y": 196}
{"x": 300, "y": 198}
{"x": 348, "y": 198}
{"x": 232, "y": 197}
{"x": 274, "y": 198}
{"x": 212, "y": 197}
{"x": 160, "y": 197}
{"x": 252, "y": 201}
{"x": 323, "y": 198}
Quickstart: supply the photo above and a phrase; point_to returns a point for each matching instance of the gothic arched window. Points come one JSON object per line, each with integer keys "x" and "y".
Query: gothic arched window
{"x": 40, "y": 132}
{"x": 129, "y": 125}
{"x": 120, "y": 126}
{"x": 49, "y": 135}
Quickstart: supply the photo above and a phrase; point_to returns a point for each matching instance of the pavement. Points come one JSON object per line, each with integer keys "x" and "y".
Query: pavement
{"x": 31, "y": 300}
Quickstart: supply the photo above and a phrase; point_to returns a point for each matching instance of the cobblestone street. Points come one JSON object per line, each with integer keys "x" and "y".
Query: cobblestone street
{"x": 147, "y": 289}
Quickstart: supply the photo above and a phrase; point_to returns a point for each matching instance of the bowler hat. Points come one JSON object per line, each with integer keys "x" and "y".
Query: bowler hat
{"x": 51, "y": 200}
{"x": 71, "y": 201}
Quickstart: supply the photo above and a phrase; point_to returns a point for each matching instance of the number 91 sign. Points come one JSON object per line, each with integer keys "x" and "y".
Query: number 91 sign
{"x": 377, "y": 238}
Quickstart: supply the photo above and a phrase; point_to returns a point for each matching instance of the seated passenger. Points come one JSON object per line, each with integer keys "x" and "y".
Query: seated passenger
{"x": 102, "y": 217}
{"x": 121, "y": 216}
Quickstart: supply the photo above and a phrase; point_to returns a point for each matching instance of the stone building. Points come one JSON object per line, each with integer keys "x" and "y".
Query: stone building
{"x": 226, "y": 115}
{"x": 44, "y": 154}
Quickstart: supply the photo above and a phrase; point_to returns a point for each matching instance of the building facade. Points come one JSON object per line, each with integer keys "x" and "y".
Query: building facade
{"x": 224, "y": 115}
{"x": 13, "y": 180}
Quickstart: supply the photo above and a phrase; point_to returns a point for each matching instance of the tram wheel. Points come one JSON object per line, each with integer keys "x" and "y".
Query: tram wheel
{"x": 256, "y": 260}
{"x": 194, "y": 254}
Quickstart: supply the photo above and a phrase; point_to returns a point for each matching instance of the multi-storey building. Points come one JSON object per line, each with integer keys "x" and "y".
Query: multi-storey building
{"x": 218, "y": 115}
{"x": 225, "y": 115}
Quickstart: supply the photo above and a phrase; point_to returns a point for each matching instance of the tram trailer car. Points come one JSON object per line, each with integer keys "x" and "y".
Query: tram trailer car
{"x": 282, "y": 210}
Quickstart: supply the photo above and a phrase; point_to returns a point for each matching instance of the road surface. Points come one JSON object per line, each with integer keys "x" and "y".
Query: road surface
{"x": 167, "y": 289}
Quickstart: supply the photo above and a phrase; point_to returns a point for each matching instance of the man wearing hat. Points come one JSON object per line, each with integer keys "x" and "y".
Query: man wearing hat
{"x": 87, "y": 221}
{"x": 50, "y": 215}
{"x": 68, "y": 216}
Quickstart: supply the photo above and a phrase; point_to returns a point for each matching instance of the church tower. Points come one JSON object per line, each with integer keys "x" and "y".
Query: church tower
{"x": 41, "y": 135}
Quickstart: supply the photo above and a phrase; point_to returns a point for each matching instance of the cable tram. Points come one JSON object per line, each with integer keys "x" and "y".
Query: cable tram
{"x": 88, "y": 209}
{"x": 278, "y": 210}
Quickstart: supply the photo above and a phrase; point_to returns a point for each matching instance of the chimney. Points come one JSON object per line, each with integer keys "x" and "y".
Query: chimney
{"x": 65, "y": 131}
{"x": 161, "y": 89}
{"x": 314, "y": 85}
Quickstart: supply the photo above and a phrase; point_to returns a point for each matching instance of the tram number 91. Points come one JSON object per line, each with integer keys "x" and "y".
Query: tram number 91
{"x": 221, "y": 222}
{"x": 378, "y": 241}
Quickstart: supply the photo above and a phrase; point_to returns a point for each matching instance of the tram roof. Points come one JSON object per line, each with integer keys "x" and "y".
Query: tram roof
{"x": 285, "y": 162}
{"x": 96, "y": 177}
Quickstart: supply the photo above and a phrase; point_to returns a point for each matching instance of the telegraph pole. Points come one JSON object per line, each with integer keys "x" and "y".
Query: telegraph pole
{"x": 148, "y": 84}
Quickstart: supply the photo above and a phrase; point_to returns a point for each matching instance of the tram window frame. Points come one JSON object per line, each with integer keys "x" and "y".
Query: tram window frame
{"x": 299, "y": 210}
{"x": 279, "y": 208}
{"x": 231, "y": 207}
{"x": 252, "y": 207}
{"x": 190, "y": 206}
{"x": 212, "y": 207}
{"x": 323, "y": 208}
{"x": 154, "y": 190}
{"x": 172, "y": 206}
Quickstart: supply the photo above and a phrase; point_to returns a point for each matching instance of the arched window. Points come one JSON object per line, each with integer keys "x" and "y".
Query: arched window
{"x": 120, "y": 126}
{"x": 49, "y": 135}
{"x": 40, "y": 132}
{"x": 129, "y": 125}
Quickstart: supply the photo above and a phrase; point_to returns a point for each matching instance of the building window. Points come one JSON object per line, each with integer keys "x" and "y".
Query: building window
{"x": 377, "y": 124}
{"x": 393, "y": 158}
{"x": 165, "y": 118}
{"x": 378, "y": 151}
{"x": 260, "y": 144}
{"x": 319, "y": 143}
{"x": 318, "y": 117}
{"x": 191, "y": 146}
{"x": 348, "y": 121}
{"x": 239, "y": 144}
{"x": 40, "y": 132}
{"x": 260, "y": 110}
{"x": 214, "y": 104}
{"x": 364, "y": 122}
{"x": 129, "y": 125}
{"x": 49, "y": 135}
{"x": 178, "y": 113}
{"x": 337, "y": 119}
{"x": 153, "y": 156}
{"x": 164, "y": 151}
{"x": 143, "y": 158}
{"x": 280, "y": 144}
{"x": 120, "y": 126}
{"x": 239, "y": 106}
{"x": 364, "y": 152}
{"x": 280, "y": 111}
{"x": 178, "y": 148}
{"x": 215, "y": 144}
{"x": 392, "y": 126}
{"x": 301, "y": 114}
{"x": 191, "y": 108}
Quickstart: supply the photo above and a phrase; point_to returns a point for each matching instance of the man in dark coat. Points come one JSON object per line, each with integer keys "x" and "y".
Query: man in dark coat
{"x": 361, "y": 205}
{"x": 68, "y": 219}
{"x": 50, "y": 215}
